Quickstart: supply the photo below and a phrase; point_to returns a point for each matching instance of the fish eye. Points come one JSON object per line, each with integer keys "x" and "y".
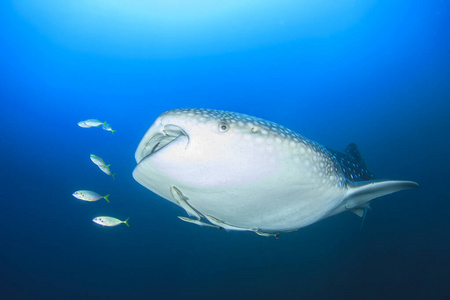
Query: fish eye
{"x": 223, "y": 127}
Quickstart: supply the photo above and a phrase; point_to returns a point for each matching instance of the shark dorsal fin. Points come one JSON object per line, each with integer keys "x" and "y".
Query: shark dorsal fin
{"x": 353, "y": 151}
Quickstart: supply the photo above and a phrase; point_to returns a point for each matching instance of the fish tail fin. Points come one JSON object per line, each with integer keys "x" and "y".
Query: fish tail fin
{"x": 112, "y": 131}
{"x": 126, "y": 222}
{"x": 114, "y": 176}
{"x": 106, "y": 198}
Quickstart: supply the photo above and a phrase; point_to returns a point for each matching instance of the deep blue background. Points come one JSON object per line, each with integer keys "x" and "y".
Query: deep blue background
{"x": 372, "y": 72}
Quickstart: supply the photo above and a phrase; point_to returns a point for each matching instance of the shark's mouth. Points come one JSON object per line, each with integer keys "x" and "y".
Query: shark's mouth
{"x": 161, "y": 139}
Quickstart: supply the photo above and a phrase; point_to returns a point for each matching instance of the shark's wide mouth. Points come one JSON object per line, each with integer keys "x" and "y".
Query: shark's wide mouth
{"x": 168, "y": 134}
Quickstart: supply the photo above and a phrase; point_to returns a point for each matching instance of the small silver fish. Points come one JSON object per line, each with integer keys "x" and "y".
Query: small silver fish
{"x": 107, "y": 127}
{"x": 109, "y": 221}
{"x": 97, "y": 160}
{"x": 90, "y": 123}
{"x": 83, "y": 124}
{"x": 89, "y": 195}
{"x": 106, "y": 170}
{"x": 102, "y": 165}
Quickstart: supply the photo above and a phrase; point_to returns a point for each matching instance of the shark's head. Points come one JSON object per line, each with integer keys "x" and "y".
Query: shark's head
{"x": 196, "y": 127}
{"x": 208, "y": 148}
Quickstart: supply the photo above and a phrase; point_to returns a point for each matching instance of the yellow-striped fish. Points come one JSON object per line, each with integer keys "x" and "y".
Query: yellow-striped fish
{"x": 90, "y": 123}
{"x": 89, "y": 196}
{"x": 109, "y": 221}
{"x": 102, "y": 165}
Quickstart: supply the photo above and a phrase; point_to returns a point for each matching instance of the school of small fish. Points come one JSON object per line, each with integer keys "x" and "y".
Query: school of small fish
{"x": 91, "y": 196}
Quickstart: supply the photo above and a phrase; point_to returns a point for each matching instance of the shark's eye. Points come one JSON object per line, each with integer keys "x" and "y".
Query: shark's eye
{"x": 223, "y": 127}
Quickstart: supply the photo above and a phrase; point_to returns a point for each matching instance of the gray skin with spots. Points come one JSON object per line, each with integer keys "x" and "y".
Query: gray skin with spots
{"x": 244, "y": 173}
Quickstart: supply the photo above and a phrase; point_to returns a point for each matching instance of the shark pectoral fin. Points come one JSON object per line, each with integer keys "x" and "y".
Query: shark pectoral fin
{"x": 197, "y": 222}
{"x": 364, "y": 191}
{"x": 182, "y": 201}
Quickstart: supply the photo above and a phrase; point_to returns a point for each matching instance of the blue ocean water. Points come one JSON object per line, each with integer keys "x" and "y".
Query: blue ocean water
{"x": 376, "y": 73}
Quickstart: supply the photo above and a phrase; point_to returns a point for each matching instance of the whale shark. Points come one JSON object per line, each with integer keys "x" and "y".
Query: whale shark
{"x": 238, "y": 172}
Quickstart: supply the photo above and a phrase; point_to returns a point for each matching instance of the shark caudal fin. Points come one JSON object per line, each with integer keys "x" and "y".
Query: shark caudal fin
{"x": 363, "y": 218}
{"x": 360, "y": 211}
{"x": 362, "y": 192}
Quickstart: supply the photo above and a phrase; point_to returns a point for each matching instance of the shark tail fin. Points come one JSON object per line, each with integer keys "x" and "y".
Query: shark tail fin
{"x": 363, "y": 218}
{"x": 106, "y": 198}
{"x": 360, "y": 193}
{"x": 361, "y": 209}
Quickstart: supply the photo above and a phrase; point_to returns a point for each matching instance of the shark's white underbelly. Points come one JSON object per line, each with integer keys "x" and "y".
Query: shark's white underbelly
{"x": 279, "y": 197}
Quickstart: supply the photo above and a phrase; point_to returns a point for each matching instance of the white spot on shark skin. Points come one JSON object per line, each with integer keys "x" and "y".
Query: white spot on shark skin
{"x": 269, "y": 149}
{"x": 253, "y": 176}
{"x": 259, "y": 140}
